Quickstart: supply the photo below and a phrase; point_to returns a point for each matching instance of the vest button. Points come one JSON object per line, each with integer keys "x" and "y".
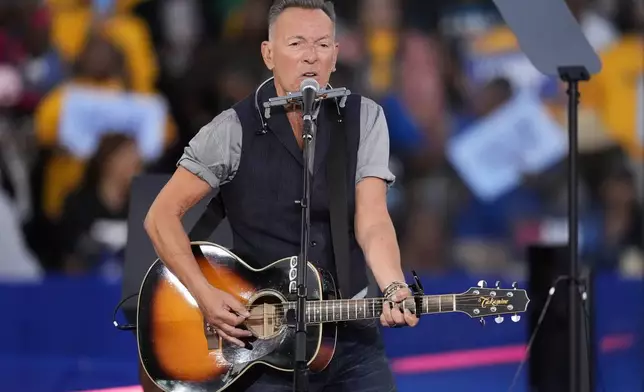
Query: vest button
{"x": 313, "y": 243}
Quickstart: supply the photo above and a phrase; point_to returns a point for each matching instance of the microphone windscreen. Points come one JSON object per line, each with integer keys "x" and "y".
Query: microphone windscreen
{"x": 309, "y": 83}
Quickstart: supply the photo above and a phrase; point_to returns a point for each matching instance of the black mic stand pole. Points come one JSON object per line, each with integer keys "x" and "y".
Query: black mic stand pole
{"x": 300, "y": 377}
{"x": 573, "y": 75}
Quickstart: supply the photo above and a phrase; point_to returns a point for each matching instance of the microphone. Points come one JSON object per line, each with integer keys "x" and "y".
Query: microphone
{"x": 309, "y": 90}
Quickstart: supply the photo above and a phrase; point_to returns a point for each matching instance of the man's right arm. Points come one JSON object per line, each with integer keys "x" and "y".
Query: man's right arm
{"x": 210, "y": 160}
{"x": 163, "y": 225}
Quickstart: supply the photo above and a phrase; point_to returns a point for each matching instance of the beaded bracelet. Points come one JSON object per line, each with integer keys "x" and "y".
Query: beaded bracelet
{"x": 391, "y": 289}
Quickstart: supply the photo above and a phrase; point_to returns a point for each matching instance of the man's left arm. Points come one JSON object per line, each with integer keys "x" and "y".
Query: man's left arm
{"x": 374, "y": 229}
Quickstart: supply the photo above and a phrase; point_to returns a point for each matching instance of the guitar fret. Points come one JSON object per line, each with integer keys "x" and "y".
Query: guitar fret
{"x": 450, "y": 302}
{"x": 365, "y": 308}
{"x": 434, "y": 304}
{"x": 326, "y": 314}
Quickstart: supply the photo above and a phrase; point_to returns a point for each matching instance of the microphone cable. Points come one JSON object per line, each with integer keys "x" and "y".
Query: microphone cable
{"x": 125, "y": 327}
{"x": 551, "y": 292}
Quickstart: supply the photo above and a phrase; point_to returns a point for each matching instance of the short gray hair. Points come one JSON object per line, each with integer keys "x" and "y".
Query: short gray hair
{"x": 280, "y": 6}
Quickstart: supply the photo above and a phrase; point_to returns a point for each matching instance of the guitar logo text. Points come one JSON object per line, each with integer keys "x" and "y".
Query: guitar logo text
{"x": 489, "y": 301}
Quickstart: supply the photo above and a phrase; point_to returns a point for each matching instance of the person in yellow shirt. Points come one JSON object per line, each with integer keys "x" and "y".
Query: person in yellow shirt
{"x": 381, "y": 20}
{"x": 617, "y": 92}
{"x": 100, "y": 65}
{"x": 74, "y": 20}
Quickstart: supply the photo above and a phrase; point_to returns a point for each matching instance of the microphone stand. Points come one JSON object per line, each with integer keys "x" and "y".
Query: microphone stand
{"x": 572, "y": 75}
{"x": 300, "y": 379}
{"x": 300, "y": 376}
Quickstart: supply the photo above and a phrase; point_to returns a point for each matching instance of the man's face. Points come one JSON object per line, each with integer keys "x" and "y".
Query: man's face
{"x": 302, "y": 45}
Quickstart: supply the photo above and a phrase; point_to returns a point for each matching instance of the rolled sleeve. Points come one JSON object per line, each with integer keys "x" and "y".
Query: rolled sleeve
{"x": 214, "y": 152}
{"x": 373, "y": 152}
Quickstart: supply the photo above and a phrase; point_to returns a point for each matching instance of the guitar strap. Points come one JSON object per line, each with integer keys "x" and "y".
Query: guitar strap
{"x": 209, "y": 220}
{"x": 338, "y": 202}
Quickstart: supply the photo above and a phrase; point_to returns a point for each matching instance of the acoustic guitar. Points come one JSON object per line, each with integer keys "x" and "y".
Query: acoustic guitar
{"x": 180, "y": 351}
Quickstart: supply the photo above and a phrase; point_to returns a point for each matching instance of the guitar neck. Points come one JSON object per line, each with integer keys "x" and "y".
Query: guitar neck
{"x": 369, "y": 308}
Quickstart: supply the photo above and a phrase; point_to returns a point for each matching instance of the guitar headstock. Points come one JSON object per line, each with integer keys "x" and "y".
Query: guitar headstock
{"x": 483, "y": 301}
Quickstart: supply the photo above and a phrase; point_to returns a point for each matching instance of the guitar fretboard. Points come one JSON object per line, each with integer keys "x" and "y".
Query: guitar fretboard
{"x": 359, "y": 309}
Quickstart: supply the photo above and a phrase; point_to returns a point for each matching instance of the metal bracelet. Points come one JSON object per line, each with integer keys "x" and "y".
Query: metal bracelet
{"x": 391, "y": 289}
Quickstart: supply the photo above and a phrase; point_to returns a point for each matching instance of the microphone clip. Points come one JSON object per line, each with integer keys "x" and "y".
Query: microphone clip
{"x": 296, "y": 98}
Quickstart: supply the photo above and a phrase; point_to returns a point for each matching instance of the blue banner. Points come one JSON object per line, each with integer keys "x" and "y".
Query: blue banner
{"x": 59, "y": 337}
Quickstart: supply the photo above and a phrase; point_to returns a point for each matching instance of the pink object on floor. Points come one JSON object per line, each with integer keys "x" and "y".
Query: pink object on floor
{"x": 487, "y": 356}
{"x": 461, "y": 358}
{"x": 134, "y": 388}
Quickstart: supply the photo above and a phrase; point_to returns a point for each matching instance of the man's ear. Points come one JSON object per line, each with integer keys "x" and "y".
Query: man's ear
{"x": 267, "y": 54}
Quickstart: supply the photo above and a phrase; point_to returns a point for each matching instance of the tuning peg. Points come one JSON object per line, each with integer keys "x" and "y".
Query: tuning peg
{"x": 499, "y": 319}
{"x": 497, "y": 284}
{"x": 515, "y": 318}
{"x": 482, "y": 321}
{"x": 482, "y": 284}
{"x": 514, "y": 285}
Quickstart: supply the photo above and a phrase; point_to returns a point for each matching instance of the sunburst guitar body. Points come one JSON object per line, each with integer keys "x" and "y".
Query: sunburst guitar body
{"x": 180, "y": 352}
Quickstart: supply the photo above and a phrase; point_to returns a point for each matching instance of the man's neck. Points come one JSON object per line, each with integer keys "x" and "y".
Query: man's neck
{"x": 281, "y": 91}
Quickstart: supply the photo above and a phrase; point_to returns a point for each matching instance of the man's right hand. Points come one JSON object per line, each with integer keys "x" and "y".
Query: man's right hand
{"x": 224, "y": 312}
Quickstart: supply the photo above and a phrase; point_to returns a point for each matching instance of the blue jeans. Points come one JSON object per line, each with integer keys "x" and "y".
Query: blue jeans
{"x": 359, "y": 365}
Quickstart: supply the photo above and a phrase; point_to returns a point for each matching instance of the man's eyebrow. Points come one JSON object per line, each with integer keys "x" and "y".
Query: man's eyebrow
{"x": 302, "y": 38}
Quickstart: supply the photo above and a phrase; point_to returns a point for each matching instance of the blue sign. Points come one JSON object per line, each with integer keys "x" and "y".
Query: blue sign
{"x": 493, "y": 154}
{"x": 88, "y": 114}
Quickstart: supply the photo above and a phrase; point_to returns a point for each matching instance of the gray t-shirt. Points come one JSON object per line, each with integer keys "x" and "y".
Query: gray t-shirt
{"x": 215, "y": 151}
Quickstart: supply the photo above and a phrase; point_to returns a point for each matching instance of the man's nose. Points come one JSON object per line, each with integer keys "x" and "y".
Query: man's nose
{"x": 311, "y": 55}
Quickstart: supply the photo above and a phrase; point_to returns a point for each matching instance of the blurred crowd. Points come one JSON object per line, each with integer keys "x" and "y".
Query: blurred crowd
{"x": 93, "y": 93}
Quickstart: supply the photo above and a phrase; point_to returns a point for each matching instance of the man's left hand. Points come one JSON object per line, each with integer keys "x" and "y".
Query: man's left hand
{"x": 392, "y": 310}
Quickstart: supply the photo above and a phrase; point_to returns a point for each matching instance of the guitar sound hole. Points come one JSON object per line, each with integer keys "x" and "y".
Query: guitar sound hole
{"x": 266, "y": 316}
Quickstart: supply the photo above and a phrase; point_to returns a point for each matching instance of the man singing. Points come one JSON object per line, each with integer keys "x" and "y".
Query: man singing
{"x": 259, "y": 175}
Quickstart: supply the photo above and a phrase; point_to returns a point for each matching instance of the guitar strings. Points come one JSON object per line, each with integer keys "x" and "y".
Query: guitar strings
{"x": 376, "y": 301}
{"x": 279, "y": 312}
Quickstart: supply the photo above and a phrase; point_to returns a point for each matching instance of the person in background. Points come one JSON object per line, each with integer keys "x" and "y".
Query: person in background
{"x": 617, "y": 92}
{"x": 25, "y": 47}
{"x": 621, "y": 223}
{"x": 93, "y": 226}
{"x": 75, "y": 21}
{"x": 483, "y": 230}
{"x": 17, "y": 261}
{"x": 416, "y": 108}
{"x": 426, "y": 245}
{"x": 100, "y": 66}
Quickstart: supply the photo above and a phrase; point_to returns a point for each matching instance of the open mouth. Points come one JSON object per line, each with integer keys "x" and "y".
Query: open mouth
{"x": 310, "y": 74}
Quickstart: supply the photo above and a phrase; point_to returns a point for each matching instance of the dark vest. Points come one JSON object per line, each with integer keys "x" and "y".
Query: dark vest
{"x": 260, "y": 201}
